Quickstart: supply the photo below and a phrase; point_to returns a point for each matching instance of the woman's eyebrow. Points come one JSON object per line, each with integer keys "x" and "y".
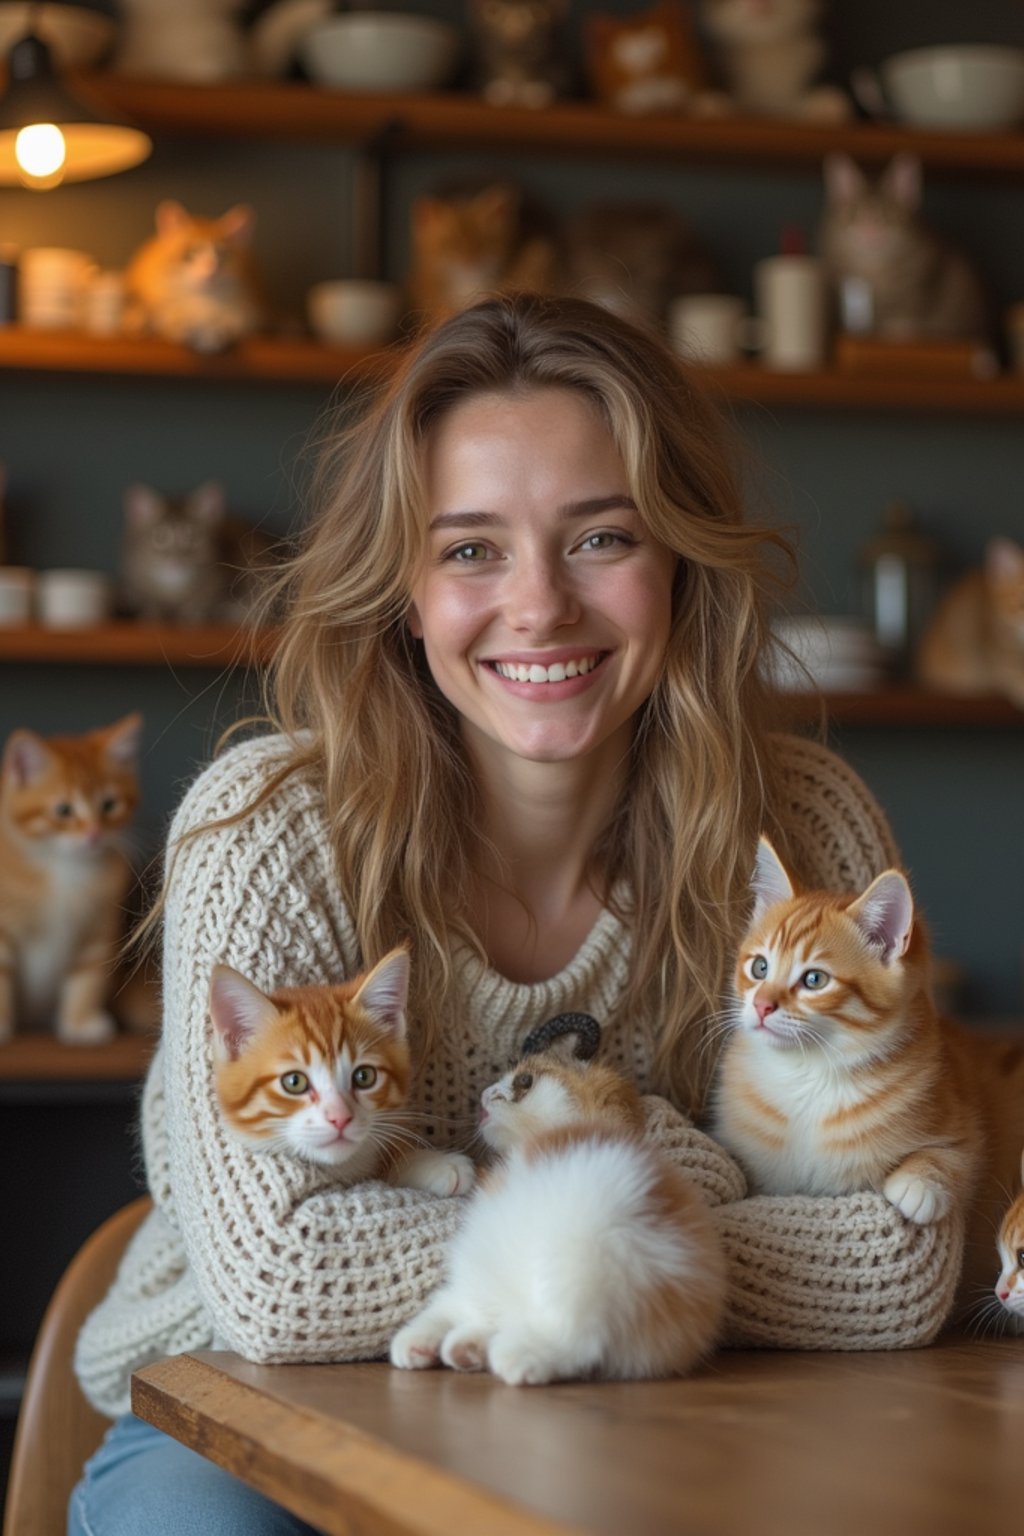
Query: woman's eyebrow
{"x": 570, "y": 509}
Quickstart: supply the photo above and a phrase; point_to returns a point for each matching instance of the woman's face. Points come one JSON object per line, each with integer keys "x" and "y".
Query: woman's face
{"x": 543, "y": 605}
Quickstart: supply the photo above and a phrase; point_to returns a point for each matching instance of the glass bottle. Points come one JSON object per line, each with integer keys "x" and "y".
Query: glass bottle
{"x": 899, "y": 566}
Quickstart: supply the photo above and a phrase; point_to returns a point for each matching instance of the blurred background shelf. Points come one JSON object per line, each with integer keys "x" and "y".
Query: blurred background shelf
{"x": 907, "y": 707}
{"x": 43, "y": 1058}
{"x": 124, "y": 641}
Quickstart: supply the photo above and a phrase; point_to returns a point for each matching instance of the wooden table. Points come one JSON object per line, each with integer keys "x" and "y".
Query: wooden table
{"x": 922, "y": 1443}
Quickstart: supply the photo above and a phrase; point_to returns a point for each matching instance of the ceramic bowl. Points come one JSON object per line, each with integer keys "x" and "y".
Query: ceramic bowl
{"x": 380, "y": 51}
{"x": 77, "y": 36}
{"x": 354, "y": 311}
{"x": 968, "y": 87}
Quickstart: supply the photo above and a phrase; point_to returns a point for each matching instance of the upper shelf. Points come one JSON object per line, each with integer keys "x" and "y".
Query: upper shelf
{"x": 297, "y": 360}
{"x": 287, "y": 110}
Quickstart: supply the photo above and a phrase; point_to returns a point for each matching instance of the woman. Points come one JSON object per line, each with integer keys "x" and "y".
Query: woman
{"x": 521, "y": 724}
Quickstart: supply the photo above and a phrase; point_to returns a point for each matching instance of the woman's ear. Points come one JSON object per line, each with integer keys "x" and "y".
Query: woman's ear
{"x": 413, "y": 623}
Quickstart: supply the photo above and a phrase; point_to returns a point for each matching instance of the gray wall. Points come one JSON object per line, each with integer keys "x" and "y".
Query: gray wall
{"x": 72, "y": 444}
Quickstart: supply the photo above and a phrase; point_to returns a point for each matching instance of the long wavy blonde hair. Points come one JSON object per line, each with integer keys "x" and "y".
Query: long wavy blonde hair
{"x": 350, "y": 687}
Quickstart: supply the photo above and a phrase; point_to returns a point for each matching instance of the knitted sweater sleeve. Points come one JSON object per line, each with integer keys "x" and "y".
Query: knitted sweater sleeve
{"x": 846, "y": 1273}
{"x": 289, "y": 1265}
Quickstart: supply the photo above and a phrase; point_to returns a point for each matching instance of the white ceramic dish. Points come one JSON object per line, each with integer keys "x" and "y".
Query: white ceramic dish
{"x": 380, "y": 51}
{"x": 354, "y": 310}
{"x": 973, "y": 87}
{"x": 78, "y": 37}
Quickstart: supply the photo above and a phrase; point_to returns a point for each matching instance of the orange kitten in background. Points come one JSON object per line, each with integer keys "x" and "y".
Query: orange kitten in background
{"x": 193, "y": 280}
{"x": 584, "y": 1253}
{"x": 838, "y": 1075}
{"x": 975, "y": 641}
{"x": 322, "y": 1073}
{"x": 65, "y": 804}
{"x": 1010, "y": 1285}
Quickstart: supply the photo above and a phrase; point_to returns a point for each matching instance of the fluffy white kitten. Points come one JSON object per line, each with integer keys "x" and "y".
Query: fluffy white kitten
{"x": 584, "y": 1253}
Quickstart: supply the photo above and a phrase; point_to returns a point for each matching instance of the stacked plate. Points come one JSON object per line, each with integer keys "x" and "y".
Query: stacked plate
{"x": 835, "y": 653}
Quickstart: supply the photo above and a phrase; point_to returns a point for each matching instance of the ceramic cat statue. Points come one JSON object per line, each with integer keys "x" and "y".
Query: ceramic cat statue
{"x": 322, "y": 1073}
{"x": 771, "y": 56}
{"x": 583, "y": 1253}
{"x": 975, "y": 640}
{"x": 194, "y": 282}
{"x": 916, "y": 283}
{"x": 518, "y": 51}
{"x": 66, "y": 807}
{"x": 649, "y": 61}
{"x": 466, "y": 245}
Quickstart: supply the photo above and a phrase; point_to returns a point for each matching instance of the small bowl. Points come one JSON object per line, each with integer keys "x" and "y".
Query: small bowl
{"x": 354, "y": 311}
{"x": 380, "y": 51}
{"x": 78, "y": 37}
{"x": 973, "y": 86}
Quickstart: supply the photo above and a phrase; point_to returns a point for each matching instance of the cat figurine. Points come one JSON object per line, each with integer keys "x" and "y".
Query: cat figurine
{"x": 200, "y": 41}
{"x": 771, "y": 56}
{"x": 634, "y": 260}
{"x": 193, "y": 281}
{"x": 583, "y": 1253}
{"x": 185, "y": 561}
{"x": 468, "y": 244}
{"x": 872, "y": 235}
{"x": 974, "y": 642}
{"x": 518, "y": 52}
{"x": 66, "y": 804}
{"x": 322, "y": 1073}
{"x": 647, "y": 62}
{"x": 1009, "y": 1288}
{"x": 838, "y": 1075}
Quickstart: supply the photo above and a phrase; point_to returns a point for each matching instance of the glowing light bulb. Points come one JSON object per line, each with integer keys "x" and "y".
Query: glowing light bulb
{"x": 41, "y": 154}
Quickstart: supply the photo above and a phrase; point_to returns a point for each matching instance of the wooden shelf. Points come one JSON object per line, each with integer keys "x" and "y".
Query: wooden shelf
{"x": 287, "y": 110}
{"x": 124, "y": 642}
{"x": 270, "y": 359}
{"x": 41, "y": 1058}
{"x": 909, "y": 707}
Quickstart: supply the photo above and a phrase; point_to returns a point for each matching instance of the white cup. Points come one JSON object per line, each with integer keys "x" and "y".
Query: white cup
{"x": 709, "y": 327}
{"x": 73, "y": 599}
{"x": 16, "y": 583}
{"x": 790, "y": 293}
{"x": 52, "y": 283}
{"x": 354, "y": 310}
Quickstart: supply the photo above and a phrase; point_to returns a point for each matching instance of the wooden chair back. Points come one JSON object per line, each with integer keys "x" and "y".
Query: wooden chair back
{"x": 57, "y": 1429}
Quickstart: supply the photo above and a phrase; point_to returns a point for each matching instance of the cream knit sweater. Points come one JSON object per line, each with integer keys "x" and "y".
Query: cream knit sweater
{"x": 264, "y": 1255}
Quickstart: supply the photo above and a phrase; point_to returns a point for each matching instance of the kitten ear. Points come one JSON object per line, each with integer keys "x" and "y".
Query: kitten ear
{"x": 902, "y": 180}
{"x": 385, "y": 992}
{"x": 238, "y": 1010}
{"x": 26, "y": 758}
{"x": 885, "y": 914}
{"x": 123, "y": 740}
{"x": 170, "y": 215}
{"x": 1004, "y": 560}
{"x": 208, "y": 503}
{"x": 238, "y": 224}
{"x": 769, "y": 882}
{"x": 843, "y": 179}
{"x": 142, "y": 506}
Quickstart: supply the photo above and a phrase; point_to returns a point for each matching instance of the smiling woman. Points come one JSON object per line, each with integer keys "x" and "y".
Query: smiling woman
{"x": 521, "y": 726}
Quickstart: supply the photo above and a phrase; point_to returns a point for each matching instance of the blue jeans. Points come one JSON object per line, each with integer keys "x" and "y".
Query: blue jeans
{"x": 142, "y": 1483}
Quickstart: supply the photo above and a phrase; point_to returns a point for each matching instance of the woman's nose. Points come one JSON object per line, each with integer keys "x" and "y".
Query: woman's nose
{"x": 541, "y": 597}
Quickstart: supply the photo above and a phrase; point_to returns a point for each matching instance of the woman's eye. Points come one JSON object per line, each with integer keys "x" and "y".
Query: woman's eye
{"x": 815, "y": 980}
{"x": 604, "y": 540}
{"x": 468, "y": 554}
{"x": 759, "y": 967}
{"x": 295, "y": 1082}
{"x": 364, "y": 1077}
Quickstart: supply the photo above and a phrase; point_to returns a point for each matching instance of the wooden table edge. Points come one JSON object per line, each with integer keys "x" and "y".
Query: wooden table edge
{"x": 386, "y": 1492}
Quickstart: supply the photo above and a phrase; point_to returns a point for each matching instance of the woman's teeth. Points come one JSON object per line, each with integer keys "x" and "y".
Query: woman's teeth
{"x": 518, "y": 672}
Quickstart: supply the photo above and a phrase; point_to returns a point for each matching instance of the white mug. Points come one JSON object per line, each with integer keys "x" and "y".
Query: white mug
{"x": 52, "y": 283}
{"x": 709, "y": 328}
{"x": 73, "y": 599}
{"x": 790, "y": 293}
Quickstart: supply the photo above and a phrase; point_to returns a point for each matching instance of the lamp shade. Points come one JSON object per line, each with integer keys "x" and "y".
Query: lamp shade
{"x": 94, "y": 144}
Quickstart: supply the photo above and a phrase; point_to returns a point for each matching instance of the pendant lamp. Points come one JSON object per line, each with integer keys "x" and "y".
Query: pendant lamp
{"x": 48, "y": 136}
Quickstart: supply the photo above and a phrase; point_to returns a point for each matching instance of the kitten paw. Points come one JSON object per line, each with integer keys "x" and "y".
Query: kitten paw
{"x": 917, "y": 1199}
{"x": 415, "y": 1347}
{"x": 439, "y": 1173}
{"x": 520, "y": 1361}
{"x": 92, "y": 1030}
{"x": 465, "y": 1349}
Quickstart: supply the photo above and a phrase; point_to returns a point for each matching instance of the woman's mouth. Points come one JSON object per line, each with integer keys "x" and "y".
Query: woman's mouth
{"x": 556, "y": 672}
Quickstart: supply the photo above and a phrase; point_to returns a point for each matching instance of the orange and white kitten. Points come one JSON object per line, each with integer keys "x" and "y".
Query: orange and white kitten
{"x": 1010, "y": 1285}
{"x": 322, "y": 1072}
{"x": 839, "y": 1076}
{"x": 975, "y": 640}
{"x": 584, "y": 1253}
{"x": 66, "y": 803}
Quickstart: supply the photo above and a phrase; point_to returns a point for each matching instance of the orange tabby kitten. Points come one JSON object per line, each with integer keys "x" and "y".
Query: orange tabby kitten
{"x": 65, "y": 803}
{"x": 1010, "y": 1285}
{"x": 975, "y": 642}
{"x": 468, "y": 245}
{"x": 193, "y": 280}
{"x": 647, "y": 62}
{"x": 838, "y": 1075}
{"x": 585, "y": 1253}
{"x": 323, "y": 1072}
